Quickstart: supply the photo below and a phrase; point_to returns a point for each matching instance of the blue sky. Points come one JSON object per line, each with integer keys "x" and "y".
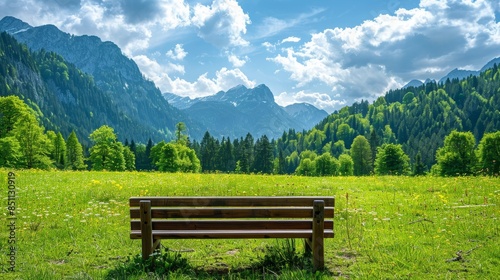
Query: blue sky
{"x": 327, "y": 53}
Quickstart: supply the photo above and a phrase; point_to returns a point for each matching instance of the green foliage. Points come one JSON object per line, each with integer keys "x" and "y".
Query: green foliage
{"x": 307, "y": 167}
{"x": 74, "y": 153}
{"x": 173, "y": 157}
{"x": 68, "y": 99}
{"x": 33, "y": 142}
{"x": 419, "y": 168}
{"x": 263, "y": 161}
{"x": 57, "y": 149}
{"x": 180, "y": 137}
{"x": 489, "y": 153}
{"x": 326, "y": 165}
{"x": 160, "y": 264}
{"x": 346, "y": 165}
{"x": 12, "y": 109}
{"x": 392, "y": 160}
{"x": 107, "y": 153}
{"x": 24, "y": 143}
{"x": 457, "y": 156}
{"x": 115, "y": 159}
{"x": 10, "y": 152}
{"x": 361, "y": 156}
{"x": 418, "y": 118}
{"x": 129, "y": 158}
{"x": 284, "y": 255}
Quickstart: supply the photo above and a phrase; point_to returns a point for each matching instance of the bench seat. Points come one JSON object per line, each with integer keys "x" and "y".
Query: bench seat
{"x": 230, "y": 234}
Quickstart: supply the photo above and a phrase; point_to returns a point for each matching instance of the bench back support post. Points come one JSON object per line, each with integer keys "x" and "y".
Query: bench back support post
{"x": 146, "y": 229}
{"x": 318, "y": 237}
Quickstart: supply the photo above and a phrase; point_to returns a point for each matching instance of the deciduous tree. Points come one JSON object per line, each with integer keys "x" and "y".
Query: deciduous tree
{"x": 391, "y": 160}
{"x": 489, "y": 153}
{"x": 361, "y": 156}
{"x": 457, "y": 156}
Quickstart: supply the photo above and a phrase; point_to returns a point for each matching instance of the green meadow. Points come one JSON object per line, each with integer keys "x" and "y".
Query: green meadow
{"x": 75, "y": 225}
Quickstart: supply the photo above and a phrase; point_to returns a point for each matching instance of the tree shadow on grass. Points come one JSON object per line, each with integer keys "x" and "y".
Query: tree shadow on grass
{"x": 281, "y": 261}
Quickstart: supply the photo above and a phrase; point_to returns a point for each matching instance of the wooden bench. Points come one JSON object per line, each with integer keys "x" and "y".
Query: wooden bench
{"x": 308, "y": 217}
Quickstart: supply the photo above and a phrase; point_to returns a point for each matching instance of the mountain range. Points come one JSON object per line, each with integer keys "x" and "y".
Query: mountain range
{"x": 241, "y": 109}
{"x": 456, "y": 74}
{"x": 116, "y": 76}
{"x": 100, "y": 85}
{"x": 138, "y": 103}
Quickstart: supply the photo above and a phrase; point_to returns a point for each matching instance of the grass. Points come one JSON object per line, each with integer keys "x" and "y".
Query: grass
{"x": 75, "y": 225}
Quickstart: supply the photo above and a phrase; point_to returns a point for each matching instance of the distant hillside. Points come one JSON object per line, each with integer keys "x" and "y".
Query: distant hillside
{"x": 306, "y": 113}
{"x": 64, "y": 98}
{"x": 419, "y": 118}
{"x": 241, "y": 110}
{"x": 113, "y": 73}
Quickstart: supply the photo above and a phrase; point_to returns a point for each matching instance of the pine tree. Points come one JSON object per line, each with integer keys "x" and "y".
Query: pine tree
{"x": 419, "y": 168}
{"x": 129, "y": 158}
{"x": 74, "y": 153}
{"x": 263, "y": 156}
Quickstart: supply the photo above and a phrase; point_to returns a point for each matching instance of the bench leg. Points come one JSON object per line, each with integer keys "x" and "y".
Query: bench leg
{"x": 146, "y": 229}
{"x": 318, "y": 235}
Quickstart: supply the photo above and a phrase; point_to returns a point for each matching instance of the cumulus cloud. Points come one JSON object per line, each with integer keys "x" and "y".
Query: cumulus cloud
{"x": 269, "y": 47}
{"x": 236, "y": 61}
{"x": 204, "y": 86}
{"x": 291, "y": 39}
{"x": 426, "y": 42}
{"x": 222, "y": 24}
{"x": 319, "y": 100}
{"x": 178, "y": 53}
{"x": 129, "y": 23}
{"x": 161, "y": 75}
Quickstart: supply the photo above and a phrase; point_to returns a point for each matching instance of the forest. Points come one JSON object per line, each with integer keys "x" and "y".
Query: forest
{"x": 448, "y": 128}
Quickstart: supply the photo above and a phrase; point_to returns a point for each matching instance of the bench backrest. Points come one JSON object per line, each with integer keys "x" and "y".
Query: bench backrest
{"x": 232, "y": 213}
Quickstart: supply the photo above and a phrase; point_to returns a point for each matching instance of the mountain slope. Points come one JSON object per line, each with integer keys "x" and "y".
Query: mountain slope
{"x": 241, "y": 110}
{"x": 306, "y": 113}
{"x": 64, "y": 98}
{"x": 418, "y": 118}
{"x": 113, "y": 73}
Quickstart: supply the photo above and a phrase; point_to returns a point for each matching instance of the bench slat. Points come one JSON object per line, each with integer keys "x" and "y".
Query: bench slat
{"x": 230, "y": 225}
{"x": 233, "y": 201}
{"x": 229, "y": 234}
{"x": 235, "y": 213}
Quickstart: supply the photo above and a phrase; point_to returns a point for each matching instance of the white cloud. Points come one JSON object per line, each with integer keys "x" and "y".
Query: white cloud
{"x": 227, "y": 79}
{"x": 271, "y": 26}
{"x": 129, "y": 24}
{"x": 319, "y": 100}
{"x": 426, "y": 42}
{"x": 291, "y": 39}
{"x": 222, "y": 24}
{"x": 224, "y": 79}
{"x": 161, "y": 75}
{"x": 235, "y": 61}
{"x": 178, "y": 53}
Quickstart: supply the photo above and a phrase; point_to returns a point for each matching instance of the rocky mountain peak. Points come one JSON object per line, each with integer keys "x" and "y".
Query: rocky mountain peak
{"x": 13, "y": 25}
